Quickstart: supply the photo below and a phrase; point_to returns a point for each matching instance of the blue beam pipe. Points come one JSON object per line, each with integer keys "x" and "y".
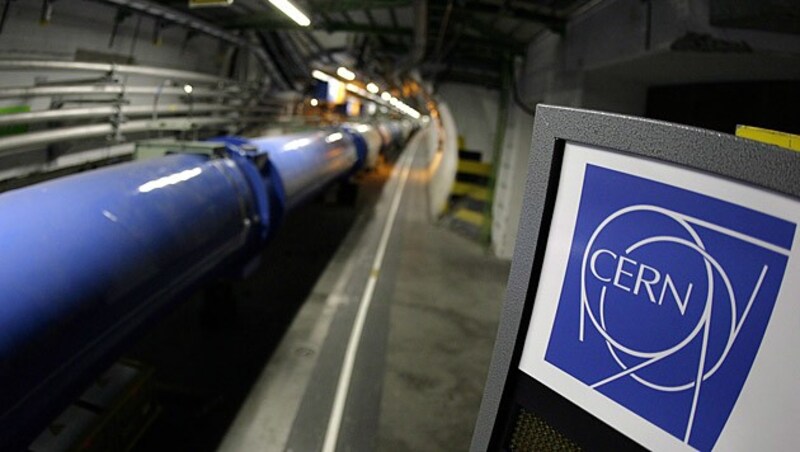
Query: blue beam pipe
{"x": 368, "y": 143}
{"x": 305, "y": 163}
{"x": 88, "y": 260}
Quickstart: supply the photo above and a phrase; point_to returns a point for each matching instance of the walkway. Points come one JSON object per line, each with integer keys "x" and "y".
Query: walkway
{"x": 390, "y": 351}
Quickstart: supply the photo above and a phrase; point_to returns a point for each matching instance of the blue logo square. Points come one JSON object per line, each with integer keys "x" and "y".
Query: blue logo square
{"x": 666, "y": 299}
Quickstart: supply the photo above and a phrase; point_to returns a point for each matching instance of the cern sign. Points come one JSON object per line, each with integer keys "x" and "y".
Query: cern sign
{"x": 665, "y": 300}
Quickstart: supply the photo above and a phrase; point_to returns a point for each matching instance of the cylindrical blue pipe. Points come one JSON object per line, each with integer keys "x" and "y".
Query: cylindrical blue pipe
{"x": 386, "y": 136}
{"x": 368, "y": 143}
{"x": 127, "y": 223}
{"x": 397, "y": 133}
{"x": 361, "y": 146}
{"x": 88, "y": 259}
{"x": 306, "y": 162}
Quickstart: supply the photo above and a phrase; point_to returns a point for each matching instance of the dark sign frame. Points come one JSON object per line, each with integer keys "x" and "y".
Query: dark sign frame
{"x": 719, "y": 154}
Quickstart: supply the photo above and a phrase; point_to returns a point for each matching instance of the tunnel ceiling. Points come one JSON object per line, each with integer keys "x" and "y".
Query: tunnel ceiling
{"x": 468, "y": 41}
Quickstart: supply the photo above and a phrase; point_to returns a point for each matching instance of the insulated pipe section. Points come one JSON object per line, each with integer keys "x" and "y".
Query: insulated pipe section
{"x": 368, "y": 143}
{"x": 386, "y": 136}
{"x": 305, "y": 163}
{"x": 396, "y": 138}
{"x": 395, "y": 133}
{"x": 87, "y": 259}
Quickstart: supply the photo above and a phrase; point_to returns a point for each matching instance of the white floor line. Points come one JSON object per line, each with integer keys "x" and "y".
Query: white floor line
{"x": 343, "y": 386}
{"x": 284, "y": 380}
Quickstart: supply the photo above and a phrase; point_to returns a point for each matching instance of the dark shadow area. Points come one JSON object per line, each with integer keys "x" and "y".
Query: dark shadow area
{"x": 721, "y": 106}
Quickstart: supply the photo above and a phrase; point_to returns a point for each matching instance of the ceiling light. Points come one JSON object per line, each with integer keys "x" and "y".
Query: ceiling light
{"x": 188, "y": 89}
{"x": 345, "y": 73}
{"x": 290, "y": 10}
{"x": 208, "y": 3}
{"x": 373, "y": 88}
{"x": 386, "y": 96}
{"x": 319, "y": 75}
{"x": 314, "y": 102}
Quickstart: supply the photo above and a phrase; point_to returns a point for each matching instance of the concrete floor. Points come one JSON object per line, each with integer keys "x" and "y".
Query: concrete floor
{"x": 422, "y": 356}
{"x": 444, "y": 314}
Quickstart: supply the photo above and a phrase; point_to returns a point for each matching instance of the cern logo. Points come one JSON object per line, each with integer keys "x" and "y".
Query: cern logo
{"x": 666, "y": 299}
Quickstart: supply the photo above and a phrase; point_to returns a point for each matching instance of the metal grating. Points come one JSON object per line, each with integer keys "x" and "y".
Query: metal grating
{"x": 533, "y": 434}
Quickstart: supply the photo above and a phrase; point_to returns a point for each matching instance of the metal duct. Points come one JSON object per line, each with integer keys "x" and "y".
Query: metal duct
{"x": 171, "y": 15}
{"x": 417, "y": 53}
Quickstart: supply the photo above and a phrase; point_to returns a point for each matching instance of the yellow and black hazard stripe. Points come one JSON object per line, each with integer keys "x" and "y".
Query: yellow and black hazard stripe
{"x": 782, "y": 139}
{"x": 470, "y": 194}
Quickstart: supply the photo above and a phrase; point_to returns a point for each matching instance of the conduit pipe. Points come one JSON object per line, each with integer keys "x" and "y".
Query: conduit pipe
{"x": 36, "y": 65}
{"x": 420, "y": 43}
{"x": 193, "y": 23}
{"x": 14, "y": 143}
{"x": 105, "y": 89}
{"x": 68, "y": 114}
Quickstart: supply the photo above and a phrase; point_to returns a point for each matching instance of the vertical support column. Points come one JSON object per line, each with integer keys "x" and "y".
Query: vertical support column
{"x": 499, "y": 138}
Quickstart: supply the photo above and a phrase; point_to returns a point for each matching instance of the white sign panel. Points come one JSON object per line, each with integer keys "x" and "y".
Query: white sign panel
{"x": 668, "y": 304}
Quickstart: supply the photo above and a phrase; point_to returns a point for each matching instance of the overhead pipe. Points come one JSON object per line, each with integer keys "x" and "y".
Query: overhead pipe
{"x": 280, "y": 74}
{"x": 69, "y": 114}
{"x": 15, "y": 143}
{"x": 172, "y": 15}
{"x": 267, "y": 60}
{"x": 443, "y": 31}
{"x": 108, "y": 89}
{"x": 295, "y": 55}
{"x": 36, "y": 65}
{"x": 4, "y": 15}
{"x": 420, "y": 43}
{"x": 159, "y": 11}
